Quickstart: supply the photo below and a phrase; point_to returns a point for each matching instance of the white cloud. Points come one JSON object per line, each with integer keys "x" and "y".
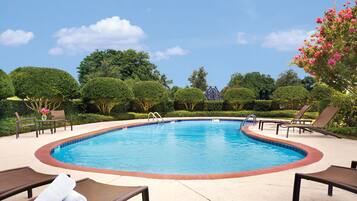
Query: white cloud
{"x": 109, "y": 33}
{"x": 286, "y": 40}
{"x": 242, "y": 38}
{"x": 166, "y": 54}
{"x": 55, "y": 51}
{"x": 15, "y": 37}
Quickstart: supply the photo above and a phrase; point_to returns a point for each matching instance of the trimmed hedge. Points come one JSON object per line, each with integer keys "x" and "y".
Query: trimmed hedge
{"x": 242, "y": 113}
{"x": 213, "y": 105}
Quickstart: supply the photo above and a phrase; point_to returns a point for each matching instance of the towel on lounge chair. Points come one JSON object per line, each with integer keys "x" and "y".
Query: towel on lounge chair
{"x": 58, "y": 190}
{"x": 75, "y": 196}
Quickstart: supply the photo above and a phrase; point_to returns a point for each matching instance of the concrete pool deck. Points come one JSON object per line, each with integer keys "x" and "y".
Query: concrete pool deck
{"x": 273, "y": 186}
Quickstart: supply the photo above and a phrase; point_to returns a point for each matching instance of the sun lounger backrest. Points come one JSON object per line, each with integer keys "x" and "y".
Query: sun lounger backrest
{"x": 301, "y": 112}
{"x": 325, "y": 117}
{"x": 58, "y": 114}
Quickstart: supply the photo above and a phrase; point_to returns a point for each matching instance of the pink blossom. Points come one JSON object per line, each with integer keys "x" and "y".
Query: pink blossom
{"x": 317, "y": 54}
{"x": 312, "y": 61}
{"x": 318, "y": 20}
{"x": 337, "y": 56}
{"x": 352, "y": 30}
{"x": 331, "y": 61}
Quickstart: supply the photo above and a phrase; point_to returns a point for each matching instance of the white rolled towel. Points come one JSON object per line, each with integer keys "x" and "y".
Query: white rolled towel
{"x": 75, "y": 196}
{"x": 58, "y": 189}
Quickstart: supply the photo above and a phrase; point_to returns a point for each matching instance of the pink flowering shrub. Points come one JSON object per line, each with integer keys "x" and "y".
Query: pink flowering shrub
{"x": 330, "y": 54}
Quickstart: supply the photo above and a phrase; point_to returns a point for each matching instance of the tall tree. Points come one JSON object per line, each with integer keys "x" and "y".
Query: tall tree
{"x": 288, "y": 78}
{"x": 236, "y": 80}
{"x": 330, "y": 54}
{"x": 198, "y": 79}
{"x": 308, "y": 82}
{"x": 262, "y": 85}
{"x": 128, "y": 64}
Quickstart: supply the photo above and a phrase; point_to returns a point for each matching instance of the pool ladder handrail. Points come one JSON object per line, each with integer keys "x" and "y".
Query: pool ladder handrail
{"x": 155, "y": 116}
{"x": 247, "y": 118}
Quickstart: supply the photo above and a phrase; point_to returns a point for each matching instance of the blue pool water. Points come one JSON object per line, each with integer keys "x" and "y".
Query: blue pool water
{"x": 182, "y": 147}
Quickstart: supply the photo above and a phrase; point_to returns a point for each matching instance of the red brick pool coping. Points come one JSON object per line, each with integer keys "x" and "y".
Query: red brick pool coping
{"x": 312, "y": 155}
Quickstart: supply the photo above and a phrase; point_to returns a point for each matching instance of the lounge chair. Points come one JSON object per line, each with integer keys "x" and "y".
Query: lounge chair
{"x": 59, "y": 116}
{"x": 334, "y": 176}
{"x": 25, "y": 122}
{"x": 94, "y": 191}
{"x": 318, "y": 125}
{"x": 22, "y": 179}
{"x": 297, "y": 118}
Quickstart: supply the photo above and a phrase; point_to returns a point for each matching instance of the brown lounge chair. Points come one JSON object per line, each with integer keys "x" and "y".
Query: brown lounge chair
{"x": 296, "y": 119}
{"x": 22, "y": 179}
{"x": 334, "y": 176}
{"x": 95, "y": 191}
{"x": 59, "y": 116}
{"x": 318, "y": 125}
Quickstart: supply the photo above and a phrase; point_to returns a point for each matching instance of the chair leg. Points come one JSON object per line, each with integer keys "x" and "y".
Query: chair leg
{"x": 17, "y": 130}
{"x": 277, "y": 129}
{"x": 330, "y": 189}
{"x": 71, "y": 125}
{"x": 287, "y": 132}
{"x": 29, "y": 193}
{"x": 297, "y": 185}
{"x": 145, "y": 195}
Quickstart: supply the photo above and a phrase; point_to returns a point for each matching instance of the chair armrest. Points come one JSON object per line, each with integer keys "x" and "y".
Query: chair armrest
{"x": 354, "y": 164}
{"x": 27, "y": 119}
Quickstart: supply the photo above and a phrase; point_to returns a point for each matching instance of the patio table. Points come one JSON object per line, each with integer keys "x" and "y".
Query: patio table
{"x": 41, "y": 124}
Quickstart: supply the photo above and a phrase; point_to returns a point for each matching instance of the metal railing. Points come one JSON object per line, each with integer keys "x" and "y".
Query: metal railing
{"x": 155, "y": 116}
{"x": 247, "y": 118}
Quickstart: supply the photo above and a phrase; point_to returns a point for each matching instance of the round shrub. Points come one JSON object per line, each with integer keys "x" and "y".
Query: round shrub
{"x": 320, "y": 96}
{"x": 149, "y": 93}
{"x": 44, "y": 87}
{"x": 106, "y": 93}
{"x": 6, "y": 87}
{"x": 321, "y": 92}
{"x": 190, "y": 97}
{"x": 238, "y": 97}
{"x": 291, "y": 97}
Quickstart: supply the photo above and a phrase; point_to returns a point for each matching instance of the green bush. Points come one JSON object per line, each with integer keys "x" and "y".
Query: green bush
{"x": 44, "y": 87}
{"x": 262, "y": 105}
{"x": 344, "y": 130}
{"x": 6, "y": 87}
{"x": 291, "y": 97}
{"x": 238, "y": 97}
{"x": 106, "y": 93}
{"x": 90, "y": 118}
{"x": 320, "y": 96}
{"x": 347, "y": 115}
{"x": 149, "y": 93}
{"x": 190, "y": 97}
{"x": 213, "y": 105}
{"x": 242, "y": 113}
{"x": 8, "y": 126}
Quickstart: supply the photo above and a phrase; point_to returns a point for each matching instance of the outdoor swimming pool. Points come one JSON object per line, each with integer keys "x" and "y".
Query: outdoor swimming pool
{"x": 181, "y": 148}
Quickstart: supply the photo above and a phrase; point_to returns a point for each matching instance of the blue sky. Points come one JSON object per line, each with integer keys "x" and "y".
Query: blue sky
{"x": 234, "y": 36}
